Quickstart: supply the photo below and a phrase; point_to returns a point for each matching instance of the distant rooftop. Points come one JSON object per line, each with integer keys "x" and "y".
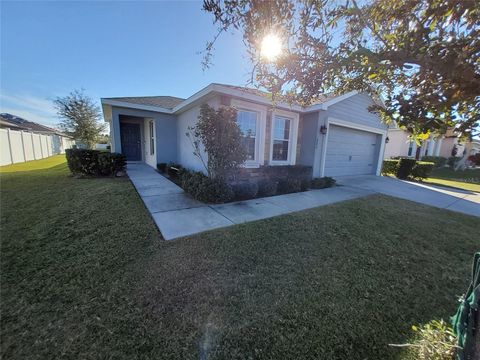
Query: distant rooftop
{"x": 23, "y": 124}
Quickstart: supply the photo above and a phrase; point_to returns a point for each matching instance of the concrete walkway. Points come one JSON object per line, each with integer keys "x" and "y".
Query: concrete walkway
{"x": 177, "y": 214}
{"x": 464, "y": 201}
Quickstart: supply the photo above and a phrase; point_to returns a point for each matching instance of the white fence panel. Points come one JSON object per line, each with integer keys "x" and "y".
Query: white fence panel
{"x": 28, "y": 146}
{"x": 16, "y": 146}
{"x": 5, "y": 157}
{"x": 19, "y": 146}
{"x": 37, "y": 147}
{"x": 44, "y": 144}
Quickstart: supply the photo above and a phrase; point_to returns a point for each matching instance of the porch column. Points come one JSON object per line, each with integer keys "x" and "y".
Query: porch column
{"x": 438, "y": 146}
{"x": 115, "y": 139}
{"x": 431, "y": 144}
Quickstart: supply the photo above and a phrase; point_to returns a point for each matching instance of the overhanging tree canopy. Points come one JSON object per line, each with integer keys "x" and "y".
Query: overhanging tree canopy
{"x": 423, "y": 56}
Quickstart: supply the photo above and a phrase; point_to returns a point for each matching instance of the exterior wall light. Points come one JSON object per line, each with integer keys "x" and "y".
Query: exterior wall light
{"x": 387, "y": 140}
{"x": 323, "y": 129}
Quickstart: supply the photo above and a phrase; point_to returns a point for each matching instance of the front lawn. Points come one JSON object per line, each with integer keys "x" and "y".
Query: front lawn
{"x": 85, "y": 274}
{"x": 468, "y": 179}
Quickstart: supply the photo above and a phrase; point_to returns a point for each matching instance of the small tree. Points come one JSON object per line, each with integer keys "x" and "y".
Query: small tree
{"x": 217, "y": 134}
{"x": 80, "y": 117}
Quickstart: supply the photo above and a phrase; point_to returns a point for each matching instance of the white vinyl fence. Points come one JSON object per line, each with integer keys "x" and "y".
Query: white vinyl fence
{"x": 21, "y": 146}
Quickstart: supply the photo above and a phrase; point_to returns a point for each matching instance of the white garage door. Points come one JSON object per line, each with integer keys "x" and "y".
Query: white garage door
{"x": 351, "y": 152}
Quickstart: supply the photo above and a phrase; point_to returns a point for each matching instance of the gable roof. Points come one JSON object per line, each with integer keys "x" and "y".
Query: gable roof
{"x": 174, "y": 105}
{"x": 166, "y": 102}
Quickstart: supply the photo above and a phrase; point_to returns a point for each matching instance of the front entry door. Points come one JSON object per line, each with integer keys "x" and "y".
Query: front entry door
{"x": 130, "y": 137}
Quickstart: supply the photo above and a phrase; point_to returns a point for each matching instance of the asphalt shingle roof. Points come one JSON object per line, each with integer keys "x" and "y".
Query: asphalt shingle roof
{"x": 167, "y": 102}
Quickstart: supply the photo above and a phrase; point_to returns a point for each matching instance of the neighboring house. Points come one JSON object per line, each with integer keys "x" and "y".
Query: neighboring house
{"x": 336, "y": 137}
{"x": 399, "y": 144}
{"x": 22, "y": 140}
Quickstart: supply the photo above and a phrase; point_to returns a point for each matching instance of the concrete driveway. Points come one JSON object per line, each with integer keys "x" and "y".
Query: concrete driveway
{"x": 463, "y": 201}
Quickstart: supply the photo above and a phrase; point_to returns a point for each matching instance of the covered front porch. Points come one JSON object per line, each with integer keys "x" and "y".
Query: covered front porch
{"x": 137, "y": 139}
{"x": 142, "y": 136}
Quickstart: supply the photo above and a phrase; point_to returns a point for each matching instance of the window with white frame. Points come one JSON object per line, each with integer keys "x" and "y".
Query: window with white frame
{"x": 152, "y": 137}
{"x": 247, "y": 122}
{"x": 410, "y": 148}
{"x": 282, "y": 128}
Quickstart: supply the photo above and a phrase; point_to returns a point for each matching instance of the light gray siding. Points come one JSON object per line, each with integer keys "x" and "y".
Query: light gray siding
{"x": 308, "y": 138}
{"x": 166, "y": 132}
{"x": 355, "y": 110}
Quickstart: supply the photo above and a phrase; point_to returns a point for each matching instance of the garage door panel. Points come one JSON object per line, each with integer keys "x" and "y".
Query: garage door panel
{"x": 350, "y": 152}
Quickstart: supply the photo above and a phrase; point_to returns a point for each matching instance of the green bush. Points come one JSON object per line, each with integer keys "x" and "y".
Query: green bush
{"x": 390, "y": 166}
{"x": 162, "y": 167}
{"x": 439, "y": 161}
{"x": 422, "y": 170}
{"x": 174, "y": 170}
{"x": 323, "y": 182}
{"x": 452, "y": 160}
{"x": 267, "y": 188}
{"x": 475, "y": 159}
{"x": 289, "y": 185}
{"x": 245, "y": 190}
{"x": 305, "y": 184}
{"x": 405, "y": 168}
{"x": 205, "y": 189}
{"x": 94, "y": 162}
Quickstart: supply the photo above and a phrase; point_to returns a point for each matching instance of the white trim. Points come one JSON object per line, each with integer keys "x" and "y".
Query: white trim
{"x": 225, "y": 90}
{"x": 348, "y": 124}
{"x": 197, "y": 96}
{"x": 335, "y": 121}
{"x": 260, "y": 131}
{"x": 323, "y": 154}
{"x": 326, "y": 104}
{"x": 292, "y": 141}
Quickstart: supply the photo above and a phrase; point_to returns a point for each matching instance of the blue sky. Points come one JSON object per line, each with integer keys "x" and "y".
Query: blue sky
{"x": 109, "y": 48}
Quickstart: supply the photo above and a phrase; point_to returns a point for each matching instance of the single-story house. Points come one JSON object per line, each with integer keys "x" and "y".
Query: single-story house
{"x": 337, "y": 136}
{"x": 400, "y": 144}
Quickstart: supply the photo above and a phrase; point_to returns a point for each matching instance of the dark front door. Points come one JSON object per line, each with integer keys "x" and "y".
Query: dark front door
{"x": 130, "y": 136}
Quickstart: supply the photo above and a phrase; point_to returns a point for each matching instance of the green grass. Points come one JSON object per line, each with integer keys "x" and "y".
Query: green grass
{"x": 34, "y": 165}
{"x": 468, "y": 179}
{"x": 85, "y": 274}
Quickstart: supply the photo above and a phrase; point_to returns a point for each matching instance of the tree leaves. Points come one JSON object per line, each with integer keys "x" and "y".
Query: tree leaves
{"x": 408, "y": 49}
{"x": 80, "y": 117}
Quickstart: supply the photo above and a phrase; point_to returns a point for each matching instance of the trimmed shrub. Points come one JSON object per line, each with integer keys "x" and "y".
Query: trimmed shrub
{"x": 267, "y": 188}
{"x": 94, "y": 162}
{"x": 439, "y": 161}
{"x": 214, "y": 191}
{"x": 245, "y": 190}
{"x": 286, "y": 186}
{"x": 174, "y": 170}
{"x": 390, "y": 166}
{"x": 205, "y": 189}
{"x": 405, "y": 168}
{"x": 109, "y": 164}
{"x": 323, "y": 182}
{"x": 305, "y": 184}
{"x": 422, "y": 170}
{"x": 452, "y": 160}
{"x": 162, "y": 167}
{"x": 475, "y": 159}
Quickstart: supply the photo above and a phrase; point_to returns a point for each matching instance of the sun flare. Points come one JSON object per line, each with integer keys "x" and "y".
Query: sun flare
{"x": 271, "y": 47}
